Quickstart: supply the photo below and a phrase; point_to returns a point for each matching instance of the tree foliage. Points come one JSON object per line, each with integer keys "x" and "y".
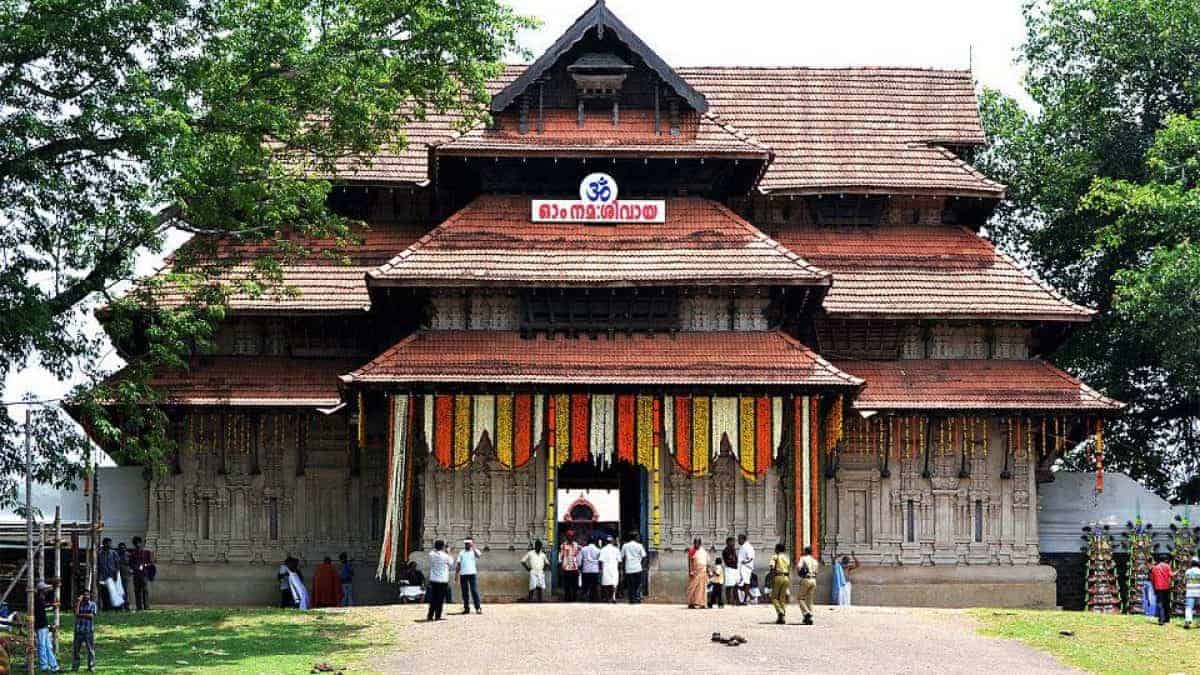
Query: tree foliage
{"x": 1102, "y": 201}
{"x": 122, "y": 119}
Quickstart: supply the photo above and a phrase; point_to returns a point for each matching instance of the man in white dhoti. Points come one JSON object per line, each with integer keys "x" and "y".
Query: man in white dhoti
{"x": 610, "y": 559}
{"x": 745, "y": 567}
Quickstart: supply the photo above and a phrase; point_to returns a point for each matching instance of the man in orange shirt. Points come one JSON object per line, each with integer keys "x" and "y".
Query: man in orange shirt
{"x": 1161, "y": 579}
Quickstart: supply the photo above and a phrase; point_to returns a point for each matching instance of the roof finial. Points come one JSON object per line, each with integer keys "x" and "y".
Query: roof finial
{"x": 600, "y": 19}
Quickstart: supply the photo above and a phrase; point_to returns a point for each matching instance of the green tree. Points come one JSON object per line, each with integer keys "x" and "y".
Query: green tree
{"x": 123, "y": 119}
{"x": 1101, "y": 204}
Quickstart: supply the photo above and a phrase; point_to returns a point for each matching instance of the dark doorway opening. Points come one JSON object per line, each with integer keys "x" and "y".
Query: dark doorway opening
{"x": 628, "y": 478}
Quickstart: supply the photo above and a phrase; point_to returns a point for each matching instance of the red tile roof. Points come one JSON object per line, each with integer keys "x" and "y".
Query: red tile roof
{"x": 331, "y": 279}
{"x": 710, "y": 358}
{"x": 925, "y": 271}
{"x": 830, "y": 129}
{"x": 493, "y": 241}
{"x": 921, "y": 384}
{"x": 700, "y": 135}
{"x": 252, "y": 381}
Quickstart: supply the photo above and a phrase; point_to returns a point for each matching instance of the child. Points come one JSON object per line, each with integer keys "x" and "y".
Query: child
{"x": 716, "y": 583}
{"x": 85, "y": 634}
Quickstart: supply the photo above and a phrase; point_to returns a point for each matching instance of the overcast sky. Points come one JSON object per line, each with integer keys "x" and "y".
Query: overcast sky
{"x": 923, "y": 33}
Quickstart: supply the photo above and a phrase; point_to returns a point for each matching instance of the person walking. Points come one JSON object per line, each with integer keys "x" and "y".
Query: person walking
{"x": 327, "y": 587}
{"x": 85, "y": 633}
{"x": 108, "y": 572}
{"x": 47, "y": 662}
{"x": 807, "y": 568}
{"x": 568, "y": 565}
{"x": 536, "y": 562}
{"x": 142, "y": 562}
{"x": 610, "y": 573}
{"x": 286, "y": 599}
{"x": 841, "y": 579}
{"x": 468, "y": 576}
{"x": 729, "y": 560}
{"x": 439, "y": 580}
{"x": 1161, "y": 578}
{"x": 697, "y": 558}
{"x": 745, "y": 567}
{"x": 779, "y": 581}
{"x": 632, "y": 555}
{"x": 346, "y": 576}
{"x": 1191, "y": 580}
{"x": 589, "y": 568}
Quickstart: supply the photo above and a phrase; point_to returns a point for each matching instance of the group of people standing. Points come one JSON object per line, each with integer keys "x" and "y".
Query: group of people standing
{"x": 332, "y": 587}
{"x": 1162, "y": 580}
{"x": 592, "y": 572}
{"x": 124, "y": 575}
{"x": 728, "y": 578}
{"x": 465, "y": 565}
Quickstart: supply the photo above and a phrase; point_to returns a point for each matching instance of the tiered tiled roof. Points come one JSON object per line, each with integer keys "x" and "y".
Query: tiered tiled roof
{"x": 700, "y": 358}
{"x": 251, "y": 381}
{"x": 922, "y": 384}
{"x": 699, "y": 136}
{"x": 493, "y": 241}
{"x": 925, "y": 271}
{"x": 330, "y": 279}
{"x": 829, "y": 129}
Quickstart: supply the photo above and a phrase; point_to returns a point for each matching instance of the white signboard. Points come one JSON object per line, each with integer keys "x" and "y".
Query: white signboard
{"x": 598, "y": 203}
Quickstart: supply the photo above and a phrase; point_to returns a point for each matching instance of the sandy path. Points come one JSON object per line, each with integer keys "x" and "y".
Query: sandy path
{"x": 667, "y": 638}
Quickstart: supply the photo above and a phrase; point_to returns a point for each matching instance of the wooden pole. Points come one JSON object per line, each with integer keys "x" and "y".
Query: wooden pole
{"x": 57, "y": 570}
{"x": 29, "y": 582}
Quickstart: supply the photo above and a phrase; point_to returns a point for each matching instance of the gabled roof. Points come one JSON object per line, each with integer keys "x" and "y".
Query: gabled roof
{"x": 919, "y": 271}
{"x": 869, "y": 130}
{"x": 493, "y": 241}
{"x": 764, "y": 358}
{"x": 598, "y": 17}
{"x": 983, "y": 384}
{"x": 701, "y": 135}
{"x": 319, "y": 283}
{"x": 258, "y": 381}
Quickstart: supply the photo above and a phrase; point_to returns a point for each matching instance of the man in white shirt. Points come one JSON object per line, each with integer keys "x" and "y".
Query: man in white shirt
{"x": 632, "y": 553}
{"x": 589, "y": 568}
{"x": 536, "y": 562}
{"x": 610, "y": 561}
{"x": 439, "y": 579}
{"x": 745, "y": 566}
{"x": 468, "y": 581}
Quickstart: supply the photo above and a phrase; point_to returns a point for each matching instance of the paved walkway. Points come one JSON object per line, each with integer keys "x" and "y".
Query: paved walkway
{"x": 669, "y": 638}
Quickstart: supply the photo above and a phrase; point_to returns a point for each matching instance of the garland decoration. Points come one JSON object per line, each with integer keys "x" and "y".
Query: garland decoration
{"x": 1183, "y": 549}
{"x": 1139, "y": 542}
{"x": 397, "y": 513}
{"x": 1099, "y": 435}
{"x": 1103, "y": 595}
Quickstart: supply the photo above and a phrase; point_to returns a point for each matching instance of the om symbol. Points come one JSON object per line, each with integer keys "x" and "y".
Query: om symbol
{"x": 598, "y": 188}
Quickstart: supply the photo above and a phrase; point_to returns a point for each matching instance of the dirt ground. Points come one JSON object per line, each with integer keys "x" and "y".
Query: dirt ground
{"x": 668, "y": 638}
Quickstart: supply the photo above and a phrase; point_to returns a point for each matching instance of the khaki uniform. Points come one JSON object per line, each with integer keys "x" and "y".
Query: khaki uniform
{"x": 780, "y": 583}
{"x": 808, "y": 585}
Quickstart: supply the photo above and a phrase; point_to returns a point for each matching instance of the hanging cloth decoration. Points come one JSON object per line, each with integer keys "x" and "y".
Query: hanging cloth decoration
{"x": 603, "y": 432}
{"x": 801, "y": 471}
{"x": 456, "y": 424}
{"x": 725, "y": 423}
{"x": 399, "y": 496}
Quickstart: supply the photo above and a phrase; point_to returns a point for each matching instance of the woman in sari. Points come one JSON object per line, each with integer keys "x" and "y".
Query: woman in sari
{"x": 697, "y": 575}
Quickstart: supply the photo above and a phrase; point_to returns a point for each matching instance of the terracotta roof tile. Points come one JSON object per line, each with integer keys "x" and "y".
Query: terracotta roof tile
{"x": 252, "y": 381}
{"x": 700, "y": 135}
{"x": 926, "y": 271}
{"x": 493, "y": 241}
{"x": 331, "y": 279}
{"x": 711, "y": 358}
{"x": 830, "y": 129}
{"x": 972, "y": 385}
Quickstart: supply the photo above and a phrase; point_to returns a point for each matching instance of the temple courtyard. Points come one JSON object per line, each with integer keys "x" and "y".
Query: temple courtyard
{"x": 618, "y": 638}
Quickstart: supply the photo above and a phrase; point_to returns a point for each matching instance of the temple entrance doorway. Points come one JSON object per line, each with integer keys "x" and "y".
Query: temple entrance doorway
{"x": 601, "y": 501}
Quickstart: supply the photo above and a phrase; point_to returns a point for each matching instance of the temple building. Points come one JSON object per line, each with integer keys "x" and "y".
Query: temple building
{"x": 718, "y": 300}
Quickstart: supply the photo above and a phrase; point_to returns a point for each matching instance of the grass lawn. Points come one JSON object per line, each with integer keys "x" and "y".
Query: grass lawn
{"x": 1101, "y": 643}
{"x": 206, "y": 640}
